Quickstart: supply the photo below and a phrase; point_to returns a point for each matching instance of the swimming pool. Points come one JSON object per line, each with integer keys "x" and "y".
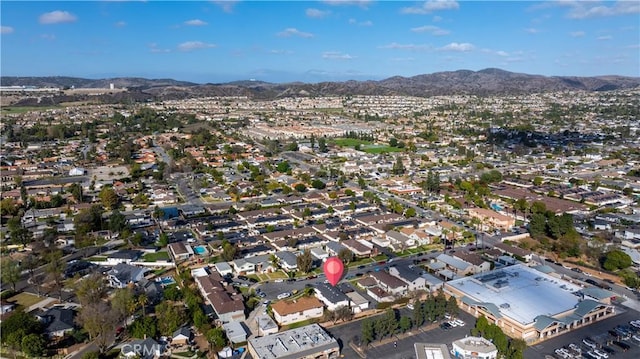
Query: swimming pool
{"x": 496, "y": 207}
{"x": 201, "y": 250}
{"x": 166, "y": 280}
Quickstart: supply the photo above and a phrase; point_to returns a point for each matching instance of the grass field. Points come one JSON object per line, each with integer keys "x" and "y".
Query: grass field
{"x": 9, "y": 110}
{"x": 350, "y": 142}
{"x": 25, "y": 299}
{"x": 158, "y": 256}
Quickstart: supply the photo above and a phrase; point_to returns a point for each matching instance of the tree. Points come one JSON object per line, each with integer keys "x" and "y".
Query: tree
{"x": 405, "y": 324}
{"x": 91, "y": 289}
{"x": 55, "y": 271}
{"x": 18, "y": 325}
{"x": 305, "y": 261}
{"x": 10, "y": 272}
{"x": 216, "y": 338}
{"x": 368, "y": 334}
{"x": 346, "y": 256}
{"x": 144, "y": 327}
{"x": 99, "y": 320}
{"x": 117, "y": 221}
{"x": 123, "y": 303}
{"x": 143, "y": 300}
{"x": 318, "y": 184}
{"x": 393, "y": 142}
{"x": 617, "y": 259}
{"x": 300, "y": 187}
{"x": 410, "y": 212}
{"x": 173, "y": 317}
{"x": 108, "y": 197}
{"x": 228, "y": 251}
{"x": 322, "y": 144}
{"x": 398, "y": 166}
{"x": 33, "y": 345}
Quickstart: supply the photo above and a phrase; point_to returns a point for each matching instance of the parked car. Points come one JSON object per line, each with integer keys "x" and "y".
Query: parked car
{"x": 410, "y": 306}
{"x": 445, "y": 326}
{"x": 575, "y": 348}
{"x": 601, "y": 353}
{"x": 590, "y": 343}
{"x": 622, "y": 345}
{"x": 284, "y": 295}
{"x": 243, "y": 277}
{"x": 459, "y": 322}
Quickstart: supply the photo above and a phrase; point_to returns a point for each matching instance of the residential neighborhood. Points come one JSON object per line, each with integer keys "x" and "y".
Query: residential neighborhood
{"x": 198, "y": 227}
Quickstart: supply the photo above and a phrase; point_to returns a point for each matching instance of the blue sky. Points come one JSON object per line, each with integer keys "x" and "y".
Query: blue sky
{"x": 311, "y": 41}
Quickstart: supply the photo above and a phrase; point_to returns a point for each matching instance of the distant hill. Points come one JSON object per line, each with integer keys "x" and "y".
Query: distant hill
{"x": 482, "y": 83}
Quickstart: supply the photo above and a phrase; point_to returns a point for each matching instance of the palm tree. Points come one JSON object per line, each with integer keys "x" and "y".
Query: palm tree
{"x": 142, "y": 302}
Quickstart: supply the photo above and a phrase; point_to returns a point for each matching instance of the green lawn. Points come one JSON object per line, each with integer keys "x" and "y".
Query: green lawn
{"x": 25, "y": 299}
{"x": 350, "y": 142}
{"x": 158, "y": 256}
{"x": 10, "y": 110}
{"x": 300, "y": 324}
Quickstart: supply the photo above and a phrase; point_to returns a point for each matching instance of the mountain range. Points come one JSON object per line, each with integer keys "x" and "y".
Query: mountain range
{"x": 462, "y": 82}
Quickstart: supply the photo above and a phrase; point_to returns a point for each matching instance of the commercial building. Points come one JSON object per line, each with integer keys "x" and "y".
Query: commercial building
{"x": 529, "y": 304}
{"x": 308, "y": 342}
{"x": 474, "y": 347}
{"x": 431, "y": 351}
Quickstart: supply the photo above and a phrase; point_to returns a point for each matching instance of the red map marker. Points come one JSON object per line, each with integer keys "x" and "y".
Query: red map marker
{"x": 333, "y": 268}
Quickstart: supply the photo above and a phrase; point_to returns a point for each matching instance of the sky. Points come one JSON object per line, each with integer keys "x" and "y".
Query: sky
{"x": 313, "y": 41}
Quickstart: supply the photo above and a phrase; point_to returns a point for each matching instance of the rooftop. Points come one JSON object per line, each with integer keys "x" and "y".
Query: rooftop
{"x": 294, "y": 343}
{"x": 519, "y": 292}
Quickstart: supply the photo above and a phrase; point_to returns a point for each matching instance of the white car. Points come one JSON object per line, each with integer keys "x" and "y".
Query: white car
{"x": 459, "y": 322}
{"x": 589, "y": 343}
{"x": 284, "y": 295}
{"x": 636, "y": 337}
{"x": 601, "y": 354}
{"x": 410, "y": 306}
{"x": 575, "y": 348}
{"x": 562, "y": 352}
{"x": 453, "y": 323}
{"x": 635, "y": 323}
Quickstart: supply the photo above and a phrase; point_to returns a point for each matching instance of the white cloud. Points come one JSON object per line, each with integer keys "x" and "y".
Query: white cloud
{"x": 433, "y": 30}
{"x": 293, "y": 32}
{"x": 412, "y": 47}
{"x": 604, "y": 37}
{"x": 153, "y": 48}
{"x": 402, "y": 59}
{"x": 436, "y": 18}
{"x": 502, "y": 53}
{"x": 634, "y": 46}
{"x": 49, "y": 37}
{"x": 120, "y": 24}
{"x": 458, "y": 47}
{"x": 430, "y": 6}
{"x": 57, "y": 17}
{"x": 587, "y": 9}
{"x": 6, "y": 30}
{"x": 532, "y": 30}
{"x": 577, "y": 33}
{"x": 317, "y": 14}
{"x": 194, "y": 45}
{"x": 281, "y": 52}
{"x": 195, "y": 22}
{"x": 335, "y": 55}
{"x": 226, "y": 5}
{"x": 361, "y": 23}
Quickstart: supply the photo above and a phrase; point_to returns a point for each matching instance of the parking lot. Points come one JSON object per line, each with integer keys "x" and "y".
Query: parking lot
{"x": 585, "y": 338}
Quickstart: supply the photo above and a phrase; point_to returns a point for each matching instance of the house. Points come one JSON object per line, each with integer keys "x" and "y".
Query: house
{"x": 288, "y": 261}
{"x": 288, "y": 312}
{"x": 182, "y": 336}
{"x": 334, "y": 248}
{"x": 380, "y": 295}
{"x": 142, "y": 348}
{"x": 518, "y": 252}
{"x": 266, "y": 325}
{"x": 390, "y": 283}
{"x": 57, "y": 321}
{"x": 223, "y": 268}
{"x": 331, "y": 296}
{"x": 479, "y": 264}
{"x": 152, "y": 289}
{"x": 456, "y": 266}
{"x": 243, "y": 266}
{"x": 123, "y": 256}
{"x": 235, "y": 332}
{"x": 180, "y": 251}
{"x": 360, "y": 248}
{"x": 400, "y": 241}
{"x": 358, "y": 302}
{"x": 226, "y": 302}
{"x": 122, "y": 274}
{"x": 410, "y": 276}
{"x": 7, "y": 307}
{"x": 492, "y": 219}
